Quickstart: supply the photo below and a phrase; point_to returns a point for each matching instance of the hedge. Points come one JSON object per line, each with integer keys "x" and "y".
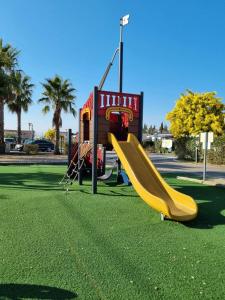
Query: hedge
{"x": 217, "y": 153}
{"x": 30, "y": 149}
{"x": 185, "y": 148}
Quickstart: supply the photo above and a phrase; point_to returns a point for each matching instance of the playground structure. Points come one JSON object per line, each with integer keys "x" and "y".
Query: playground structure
{"x": 111, "y": 119}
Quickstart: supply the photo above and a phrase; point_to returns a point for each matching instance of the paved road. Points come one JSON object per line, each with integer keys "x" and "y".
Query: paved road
{"x": 170, "y": 164}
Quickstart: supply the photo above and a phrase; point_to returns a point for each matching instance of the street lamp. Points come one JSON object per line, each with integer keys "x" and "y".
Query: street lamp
{"x": 31, "y": 128}
{"x": 123, "y": 21}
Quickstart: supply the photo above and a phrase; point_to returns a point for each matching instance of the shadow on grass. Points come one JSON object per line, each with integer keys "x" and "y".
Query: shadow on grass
{"x": 31, "y": 181}
{"x": 210, "y": 200}
{"x": 29, "y": 291}
{"x": 110, "y": 194}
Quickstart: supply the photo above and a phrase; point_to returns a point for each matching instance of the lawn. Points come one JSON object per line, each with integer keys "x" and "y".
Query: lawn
{"x": 58, "y": 245}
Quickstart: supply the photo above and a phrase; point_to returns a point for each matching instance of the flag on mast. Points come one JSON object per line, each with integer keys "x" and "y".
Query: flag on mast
{"x": 124, "y": 20}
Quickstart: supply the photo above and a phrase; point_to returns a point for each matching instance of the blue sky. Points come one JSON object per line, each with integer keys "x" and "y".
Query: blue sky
{"x": 169, "y": 46}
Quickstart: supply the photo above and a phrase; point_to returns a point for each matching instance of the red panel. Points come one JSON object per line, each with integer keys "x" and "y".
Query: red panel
{"x": 125, "y": 120}
{"x": 108, "y": 99}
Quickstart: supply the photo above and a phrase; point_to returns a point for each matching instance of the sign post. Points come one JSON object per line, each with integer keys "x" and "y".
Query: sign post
{"x": 206, "y": 139}
{"x": 205, "y": 155}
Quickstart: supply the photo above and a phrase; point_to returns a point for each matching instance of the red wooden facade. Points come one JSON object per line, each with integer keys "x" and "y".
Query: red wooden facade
{"x": 119, "y": 113}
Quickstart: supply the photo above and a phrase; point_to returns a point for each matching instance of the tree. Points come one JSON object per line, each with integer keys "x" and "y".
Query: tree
{"x": 145, "y": 128}
{"x": 165, "y": 129}
{"x": 161, "y": 128}
{"x": 8, "y": 61}
{"x": 195, "y": 113}
{"x": 50, "y": 134}
{"x": 151, "y": 129}
{"x": 59, "y": 95}
{"x": 22, "y": 89}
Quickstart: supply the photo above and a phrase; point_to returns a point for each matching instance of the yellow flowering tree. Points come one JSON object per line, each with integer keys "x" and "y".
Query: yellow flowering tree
{"x": 195, "y": 113}
{"x": 50, "y": 134}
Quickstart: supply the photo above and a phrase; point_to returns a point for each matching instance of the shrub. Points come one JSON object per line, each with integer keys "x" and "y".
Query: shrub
{"x": 158, "y": 146}
{"x": 65, "y": 148}
{"x": 30, "y": 149}
{"x": 185, "y": 148}
{"x": 148, "y": 145}
{"x": 217, "y": 153}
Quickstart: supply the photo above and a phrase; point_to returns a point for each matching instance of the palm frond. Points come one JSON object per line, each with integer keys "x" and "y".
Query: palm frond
{"x": 60, "y": 95}
{"x": 20, "y": 93}
{"x": 45, "y": 109}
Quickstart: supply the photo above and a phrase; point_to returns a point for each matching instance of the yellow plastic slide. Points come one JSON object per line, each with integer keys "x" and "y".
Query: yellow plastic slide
{"x": 149, "y": 184}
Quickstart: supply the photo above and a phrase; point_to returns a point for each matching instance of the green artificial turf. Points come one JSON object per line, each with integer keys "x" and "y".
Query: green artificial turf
{"x": 57, "y": 245}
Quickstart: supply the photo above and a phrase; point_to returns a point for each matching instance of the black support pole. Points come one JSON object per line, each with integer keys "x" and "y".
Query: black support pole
{"x": 69, "y": 146}
{"x": 78, "y": 152}
{"x": 140, "y": 125}
{"x": 121, "y": 67}
{"x": 120, "y": 88}
{"x": 104, "y": 160}
{"x": 95, "y": 141}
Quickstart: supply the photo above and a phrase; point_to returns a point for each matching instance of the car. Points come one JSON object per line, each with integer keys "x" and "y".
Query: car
{"x": 19, "y": 147}
{"x": 9, "y": 140}
{"x": 9, "y": 144}
{"x": 43, "y": 145}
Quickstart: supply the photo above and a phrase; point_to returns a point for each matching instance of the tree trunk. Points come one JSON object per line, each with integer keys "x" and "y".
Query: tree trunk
{"x": 57, "y": 135}
{"x": 19, "y": 126}
{"x": 2, "y": 143}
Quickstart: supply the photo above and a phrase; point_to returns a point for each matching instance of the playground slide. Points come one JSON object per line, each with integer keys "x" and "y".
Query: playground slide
{"x": 149, "y": 184}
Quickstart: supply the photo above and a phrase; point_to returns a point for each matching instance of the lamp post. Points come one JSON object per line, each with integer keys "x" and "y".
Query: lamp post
{"x": 123, "y": 22}
{"x": 31, "y": 128}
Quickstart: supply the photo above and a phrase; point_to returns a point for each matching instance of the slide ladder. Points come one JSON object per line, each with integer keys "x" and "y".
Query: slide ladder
{"x": 149, "y": 184}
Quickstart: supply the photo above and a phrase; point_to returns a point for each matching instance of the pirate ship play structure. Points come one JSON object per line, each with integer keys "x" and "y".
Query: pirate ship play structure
{"x": 114, "y": 119}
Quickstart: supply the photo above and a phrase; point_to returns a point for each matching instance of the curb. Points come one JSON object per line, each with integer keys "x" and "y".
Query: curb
{"x": 206, "y": 182}
{"x": 27, "y": 163}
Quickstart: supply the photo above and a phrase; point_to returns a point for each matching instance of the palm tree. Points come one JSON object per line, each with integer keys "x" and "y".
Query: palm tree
{"x": 8, "y": 60}
{"x": 21, "y": 97}
{"x": 58, "y": 95}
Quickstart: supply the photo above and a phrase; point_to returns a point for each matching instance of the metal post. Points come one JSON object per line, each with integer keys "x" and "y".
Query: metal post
{"x": 120, "y": 86}
{"x": 107, "y": 70}
{"x": 205, "y": 156}
{"x": 80, "y": 181}
{"x": 140, "y": 125}
{"x": 61, "y": 144}
{"x": 196, "y": 154}
{"x": 121, "y": 60}
{"x": 32, "y": 132}
{"x": 104, "y": 160}
{"x": 197, "y": 143}
{"x": 95, "y": 140}
{"x": 69, "y": 145}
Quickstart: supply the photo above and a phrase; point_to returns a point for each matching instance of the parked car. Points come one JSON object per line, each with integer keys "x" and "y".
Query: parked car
{"x": 9, "y": 144}
{"x": 43, "y": 145}
{"x": 19, "y": 147}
